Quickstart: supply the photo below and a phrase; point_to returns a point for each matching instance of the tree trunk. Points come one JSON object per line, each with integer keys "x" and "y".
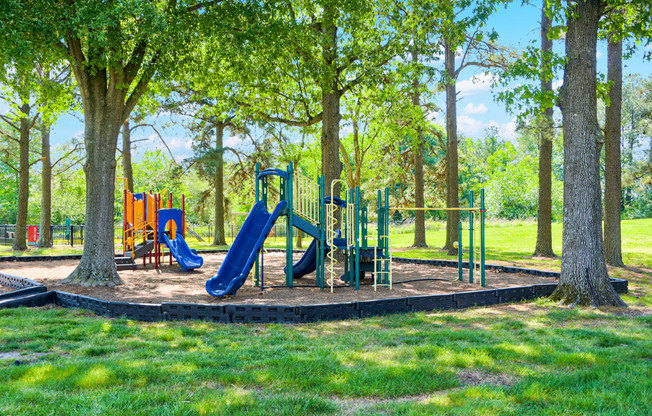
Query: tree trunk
{"x": 219, "y": 239}
{"x": 543, "y": 246}
{"x": 584, "y": 278}
{"x": 419, "y": 216}
{"x": 419, "y": 190}
{"x": 127, "y": 167}
{"x": 103, "y": 112}
{"x": 330, "y": 140}
{"x": 299, "y": 239}
{"x": 452, "y": 189}
{"x": 612, "y": 174}
{"x": 330, "y": 98}
{"x": 45, "y": 237}
{"x": 20, "y": 242}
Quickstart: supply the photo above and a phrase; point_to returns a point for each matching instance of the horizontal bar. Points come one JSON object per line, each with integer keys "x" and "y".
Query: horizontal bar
{"x": 432, "y": 209}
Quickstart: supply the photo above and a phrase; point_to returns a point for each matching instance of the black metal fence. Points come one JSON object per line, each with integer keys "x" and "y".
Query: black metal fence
{"x": 207, "y": 232}
{"x": 72, "y": 235}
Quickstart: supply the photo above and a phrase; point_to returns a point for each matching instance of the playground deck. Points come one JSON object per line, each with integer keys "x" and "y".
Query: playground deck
{"x": 170, "y": 284}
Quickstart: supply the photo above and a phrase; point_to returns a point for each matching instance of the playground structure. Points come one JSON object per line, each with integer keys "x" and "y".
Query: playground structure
{"x": 471, "y": 210}
{"x": 150, "y": 225}
{"x": 304, "y": 205}
{"x": 302, "y": 201}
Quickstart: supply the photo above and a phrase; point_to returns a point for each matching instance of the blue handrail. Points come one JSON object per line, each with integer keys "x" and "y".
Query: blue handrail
{"x": 273, "y": 172}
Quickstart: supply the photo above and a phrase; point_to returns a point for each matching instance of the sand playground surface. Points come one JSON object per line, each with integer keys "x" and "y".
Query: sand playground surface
{"x": 171, "y": 284}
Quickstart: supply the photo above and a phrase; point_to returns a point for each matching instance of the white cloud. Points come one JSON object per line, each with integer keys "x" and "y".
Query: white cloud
{"x": 472, "y": 109}
{"x": 176, "y": 144}
{"x": 346, "y": 129}
{"x": 507, "y": 131}
{"x": 475, "y": 128}
{"x": 557, "y": 84}
{"x": 470, "y": 126}
{"x": 598, "y": 54}
{"x": 476, "y": 84}
{"x": 233, "y": 141}
{"x": 179, "y": 143}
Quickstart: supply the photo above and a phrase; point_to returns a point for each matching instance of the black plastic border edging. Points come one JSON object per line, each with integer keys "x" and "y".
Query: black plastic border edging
{"x": 31, "y": 294}
{"x": 22, "y": 292}
{"x": 16, "y": 282}
{"x": 31, "y": 300}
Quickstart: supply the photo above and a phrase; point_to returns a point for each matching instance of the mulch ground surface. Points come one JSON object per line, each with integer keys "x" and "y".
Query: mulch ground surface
{"x": 170, "y": 284}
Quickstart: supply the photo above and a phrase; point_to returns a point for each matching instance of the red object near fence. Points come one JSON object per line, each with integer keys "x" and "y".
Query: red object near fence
{"x": 32, "y": 234}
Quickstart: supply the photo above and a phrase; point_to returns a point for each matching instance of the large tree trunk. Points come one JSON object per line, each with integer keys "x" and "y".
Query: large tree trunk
{"x": 45, "y": 237}
{"x": 219, "y": 239}
{"x": 584, "y": 278}
{"x": 330, "y": 140}
{"x": 419, "y": 190}
{"x": 103, "y": 112}
{"x": 20, "y": 243}
{"x": 330, "y": 132}
{"x": 127, "y": 167}
{"x": 419, "y": 200}
{"x": 543, "y": 246}
{"x": 452, "y": 189}
{"x": 612, "y": 174}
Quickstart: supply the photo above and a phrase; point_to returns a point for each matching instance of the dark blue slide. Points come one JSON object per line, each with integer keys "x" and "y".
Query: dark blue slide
{"x": 244, "y": 251}
{"x": 184, "y": 255}
{"x": 308, "y": 262}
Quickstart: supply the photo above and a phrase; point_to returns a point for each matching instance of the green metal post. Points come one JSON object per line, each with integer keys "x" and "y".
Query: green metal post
{"x": 356, "y": 237}
{"x": 381, "y": 221}
{"x": 386, "y": 240}
{"x": 289, "y": 239}
{"x": 257, "y": 264}
{"x": 380, "y": 225}
{"x": 459, "y": 250}
{"x": 471, "y": 246}
{"x": 482, "y": 212}
{"x": 321, "y": 253}
{"x": 348, "y": 257}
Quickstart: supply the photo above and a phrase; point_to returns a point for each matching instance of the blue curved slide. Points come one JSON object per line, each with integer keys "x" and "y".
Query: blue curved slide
{"x": 244, "y": 251}
{"x": 184, "y": 255}
{"x": 308, "y": 262}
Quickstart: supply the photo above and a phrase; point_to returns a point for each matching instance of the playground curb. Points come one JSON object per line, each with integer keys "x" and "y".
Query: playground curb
{"x": 30, "y": 294}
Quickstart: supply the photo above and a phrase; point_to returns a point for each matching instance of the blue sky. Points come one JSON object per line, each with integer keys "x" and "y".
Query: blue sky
{"x": 517, "y": 26}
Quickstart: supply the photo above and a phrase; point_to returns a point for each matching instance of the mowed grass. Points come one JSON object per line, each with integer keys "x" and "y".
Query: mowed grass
{"x": 535, "y": 358}
{"x": 514, "y": 241}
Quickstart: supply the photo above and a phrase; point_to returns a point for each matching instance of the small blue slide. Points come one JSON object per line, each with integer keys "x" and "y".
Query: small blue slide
{"x": 184, "y": 255}
{"x": 308, "y": 262}
{"x": 244, "y": 251}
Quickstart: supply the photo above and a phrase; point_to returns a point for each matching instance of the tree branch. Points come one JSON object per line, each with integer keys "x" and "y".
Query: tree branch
{"x": 135, "y": 62}
{"x": 6, "y": 120}
{"x": 139, "y": 89}
{"x": 74, "y": 149}
{"x": 159, "y": 136}
{"x": 6, "y": 161}
{"x": 309, "y": 121}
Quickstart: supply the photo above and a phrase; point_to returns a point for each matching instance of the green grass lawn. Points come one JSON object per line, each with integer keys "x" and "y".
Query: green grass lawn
{"x": 533, "y": 358}
{"x": 530, "y": 359}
